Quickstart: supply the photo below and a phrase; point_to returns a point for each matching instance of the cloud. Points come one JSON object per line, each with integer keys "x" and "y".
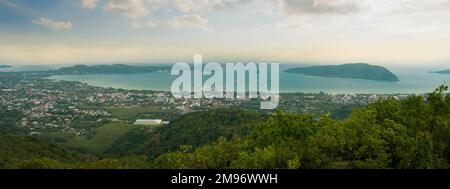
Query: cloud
{"x": 321, "y": 7}
{"x": 89, "y": 4}
{"x": 190, "y": 6}
{"x": 266, "y": 7}
{"x": 176, "y": 23}
{"x": 134, "y": 9}
{"x": 55, "y": 25}
{"x": 290, "y": 7}
{"x": 425, "y": 7}
{"x": 186, "y": 21}
{"x": 12, "y": 4}
{"x": 155, "y": 5}
{"x": 129, "y": 8}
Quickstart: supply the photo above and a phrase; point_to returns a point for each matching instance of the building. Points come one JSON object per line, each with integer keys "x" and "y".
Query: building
{"x": 148, "y": 122}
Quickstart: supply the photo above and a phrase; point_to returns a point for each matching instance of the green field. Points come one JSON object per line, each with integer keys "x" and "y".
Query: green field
{"x": 130, "y": 113}
{"x": 104, "y": 136}
{"x": 146, "y": 112}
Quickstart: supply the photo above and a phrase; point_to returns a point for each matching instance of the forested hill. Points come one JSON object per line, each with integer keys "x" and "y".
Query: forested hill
{"x": 25, "y": 152}
{"x": 407, "y": 134}
{"x": 108, "y": 69}
{"x": 355, "y": 71}
{"x": 22, "y": 151}
{"x": 194, "y": 129}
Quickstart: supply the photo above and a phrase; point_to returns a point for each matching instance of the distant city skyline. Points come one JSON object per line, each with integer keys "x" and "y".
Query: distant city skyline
{"x": 383, "y": 32}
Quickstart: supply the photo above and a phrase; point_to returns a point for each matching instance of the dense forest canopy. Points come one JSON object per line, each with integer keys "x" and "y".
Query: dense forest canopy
{"x": 413, "y": 133}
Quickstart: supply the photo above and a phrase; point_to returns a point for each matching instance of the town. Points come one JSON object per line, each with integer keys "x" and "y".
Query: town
{"x": 34, "y": 104}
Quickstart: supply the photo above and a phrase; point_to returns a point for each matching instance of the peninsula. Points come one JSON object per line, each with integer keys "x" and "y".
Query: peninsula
{"x": 107, "y": 69}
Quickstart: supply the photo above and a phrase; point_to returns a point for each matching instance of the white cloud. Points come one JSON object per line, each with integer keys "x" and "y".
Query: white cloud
{"x": 266, "y": 7}
{"x": 133, "y": 9}
{"x": 55, "y": 25}
{"x": 90, "y": 4}
{"x": 186, "y": 21}
{"x": 321, "y": 7}
{"x": 191, "y": 6}
{"x": 136, "y": 10}
{"x": 176, "y": 23}
{"x": 155, "y": 5}
{"x": 188, "y": 6}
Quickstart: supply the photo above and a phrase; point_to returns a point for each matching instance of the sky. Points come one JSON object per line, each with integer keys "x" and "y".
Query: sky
{"x": 383, "y": 32}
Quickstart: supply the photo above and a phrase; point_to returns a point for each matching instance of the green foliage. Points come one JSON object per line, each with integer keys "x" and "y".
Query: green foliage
{"x": 193, "y": 129}
{"x": 9, "y": 119}
{"x": 136, "y": 162}
{"x": 104, "y": 136}
{"x": 41, "y": 163}
{"x": 101, "y": 164}
{"x": 213, "y": 156}
{"x": 408, "y": 134}
{"x": 147, "y": 112}
{"x": 131, "y": 142}
{"x": 27, "y": 152}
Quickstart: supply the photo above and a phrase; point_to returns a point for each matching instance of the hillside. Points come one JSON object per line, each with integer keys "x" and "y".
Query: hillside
{"x": 193, "y": 129}
{"x": 16, "y": 150}
{"x": 354, "y": 71}
{"x": 406, "y": 134}
{"x": 104, "y": 136}
{"x": 107, "y": 69}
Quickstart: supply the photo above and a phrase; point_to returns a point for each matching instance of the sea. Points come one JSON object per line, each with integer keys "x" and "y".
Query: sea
{"x": 413, "y": 80}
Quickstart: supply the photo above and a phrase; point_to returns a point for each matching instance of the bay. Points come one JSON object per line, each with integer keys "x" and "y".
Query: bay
{"x": 412, "y": 81}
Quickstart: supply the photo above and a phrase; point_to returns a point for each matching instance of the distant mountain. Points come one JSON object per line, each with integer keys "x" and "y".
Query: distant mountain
{"x": 5, "y": 66}
{"x": 355, "y": 71}
{"x": 108, "y": 69}
{"x": 442, "y": 72}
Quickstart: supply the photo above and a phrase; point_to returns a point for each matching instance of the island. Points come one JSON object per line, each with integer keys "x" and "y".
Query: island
{"x": 354, "y": 71}
{"x": 441, "y": 72}
{"x": 5, "y": 66}
{"x": 108, "y": 69}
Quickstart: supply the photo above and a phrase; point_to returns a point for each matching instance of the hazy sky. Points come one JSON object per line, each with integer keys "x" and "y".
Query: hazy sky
{"x": 386, "y": 32}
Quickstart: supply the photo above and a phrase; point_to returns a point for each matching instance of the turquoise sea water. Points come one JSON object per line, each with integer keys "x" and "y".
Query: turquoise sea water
{"x": 412, "y": 80}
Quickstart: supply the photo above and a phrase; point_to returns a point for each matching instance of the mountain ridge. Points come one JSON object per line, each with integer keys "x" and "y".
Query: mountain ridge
{"x": 107, "y": 69}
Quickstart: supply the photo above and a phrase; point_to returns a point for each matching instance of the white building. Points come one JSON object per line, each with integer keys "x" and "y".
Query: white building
{"x": 148, "y": 122}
